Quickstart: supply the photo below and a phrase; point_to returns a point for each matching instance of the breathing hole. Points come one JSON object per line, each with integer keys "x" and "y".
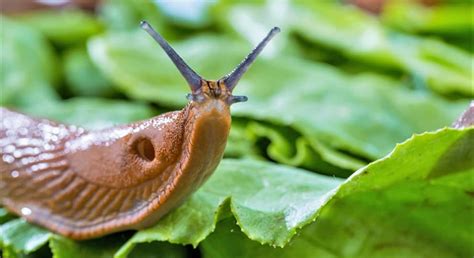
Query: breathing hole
{"x": 145, "y": 149}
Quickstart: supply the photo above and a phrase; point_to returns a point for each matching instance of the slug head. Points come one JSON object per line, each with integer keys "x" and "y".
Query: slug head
{"x": 202, "y": 89}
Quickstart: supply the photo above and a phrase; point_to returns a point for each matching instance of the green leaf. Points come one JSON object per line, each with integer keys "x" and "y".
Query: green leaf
{"x": 163, "y": 249}
{"x": 63, "y": 27}
{"x": 82, "y": 77}
{"x": 339, "y": 28}
{"x": 4, "y": 216}
{"x": 447, "y": 19}
{"x": 28, "y": 67}
{"x": 119, "y": 15}
{"x": 365, "y": 114}
{"x": 194, "y": 15}
{"x": 229, "y": 241}
{"x": 416, "y": 202}
{"x": 270, "y": 203}
{"x": 20, "y": 236}
{"x": 94, "y": 113}
{"x": 103, "y": 247}
{"x": 287, "y": 148}
{"x": 238, "y": 144}
{"x": 126, "y": 15}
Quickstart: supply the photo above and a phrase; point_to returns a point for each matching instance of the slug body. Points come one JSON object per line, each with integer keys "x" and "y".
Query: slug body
{"x": 80, "y": 183}
{"x": 85, "y": 184}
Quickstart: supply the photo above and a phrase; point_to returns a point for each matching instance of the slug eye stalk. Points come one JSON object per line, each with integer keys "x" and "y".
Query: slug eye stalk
{"x": 233, "y": 78}
{"x": 194, "y": 80}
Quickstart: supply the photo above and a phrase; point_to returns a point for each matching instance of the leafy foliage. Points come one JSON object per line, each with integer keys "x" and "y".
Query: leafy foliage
{"x": 63, "y": 27}
{"x": 18, "y": 76}
{"x": 416, "y": 202}
{"x": 421, "y": 196}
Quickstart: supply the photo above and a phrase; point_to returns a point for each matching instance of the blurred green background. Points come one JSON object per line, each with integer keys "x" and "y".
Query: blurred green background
{"x": 340, "y": 86}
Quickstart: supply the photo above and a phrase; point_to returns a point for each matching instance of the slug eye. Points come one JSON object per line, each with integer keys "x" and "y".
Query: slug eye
{"x": 144, "y": 149}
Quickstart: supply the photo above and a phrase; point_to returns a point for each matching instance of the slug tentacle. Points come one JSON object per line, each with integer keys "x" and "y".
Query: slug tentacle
{"x": 193, "y": 79}
{"x": 196, "y": 82}
{"x": 85, "y": 184}
{"x": 237, "y": 99}
{"x": 233, "y": 78}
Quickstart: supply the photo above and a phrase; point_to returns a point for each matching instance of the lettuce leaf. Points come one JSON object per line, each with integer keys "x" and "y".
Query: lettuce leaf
{"x": 93, "y": 113}
{"x": 444, "y": 68}
{"x": 416, "y": 202}
{"x": 270, "y": 203}
{"x": 28, "y": 67}
{"x": 63, "y": 27}
{"x": 82, "y": 77}
{"x": 444, "y": 19}
{"x": 22, "y": 237}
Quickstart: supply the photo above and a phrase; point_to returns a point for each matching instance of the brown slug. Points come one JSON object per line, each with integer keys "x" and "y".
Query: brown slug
{"x": 86, "y": 184}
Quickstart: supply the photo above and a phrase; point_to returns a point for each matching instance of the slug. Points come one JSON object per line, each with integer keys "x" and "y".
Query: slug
{"x": 86, "y": 184}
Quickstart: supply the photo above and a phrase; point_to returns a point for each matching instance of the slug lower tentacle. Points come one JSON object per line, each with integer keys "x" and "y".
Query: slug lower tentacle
{"x": 85, "y": 184}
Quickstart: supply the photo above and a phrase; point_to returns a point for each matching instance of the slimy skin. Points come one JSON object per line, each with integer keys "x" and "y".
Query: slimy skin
{"x": 86, "y": 184}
